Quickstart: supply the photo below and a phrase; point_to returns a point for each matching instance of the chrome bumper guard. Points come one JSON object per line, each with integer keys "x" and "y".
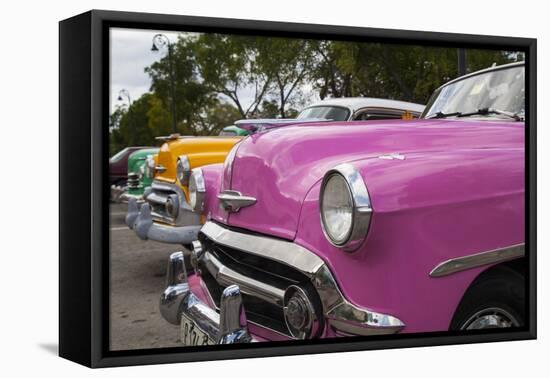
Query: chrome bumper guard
{"x": 343, "y": 316}
{"x": 228, "y": 327}
{"x": 140, "y": 220}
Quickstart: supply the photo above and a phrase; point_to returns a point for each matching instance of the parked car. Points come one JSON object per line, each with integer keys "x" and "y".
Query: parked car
{"x": 168, "y": 217}
{"x": 323, "y": 230}
{"x": 138, "y": 181}
{"x": 361, "y": 109}
{"x": 167, "y": 198}
{"x": 143, "y": 169}
{"x": 118, "y": 171}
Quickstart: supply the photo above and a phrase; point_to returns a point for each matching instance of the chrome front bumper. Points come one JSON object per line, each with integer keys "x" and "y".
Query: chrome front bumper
{"x": 140, "y": 220}
{"x": 125, "y": 198}
{"x": 117, "y": 192}
{"x": 151, "y": 224}
{"x": 227, "y": 327}
{"x": 337, "y": 316}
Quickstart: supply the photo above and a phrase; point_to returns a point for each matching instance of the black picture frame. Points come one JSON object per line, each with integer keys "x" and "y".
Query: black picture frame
{"x": 83, "y": 208}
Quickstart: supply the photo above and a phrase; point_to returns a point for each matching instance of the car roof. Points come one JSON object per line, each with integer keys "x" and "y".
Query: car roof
{"x": 356, "y": 103}
{"x": 485, "y": 70}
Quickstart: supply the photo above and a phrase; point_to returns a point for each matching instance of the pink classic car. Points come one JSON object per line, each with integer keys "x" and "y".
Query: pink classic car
{"x": 324, "y": 230}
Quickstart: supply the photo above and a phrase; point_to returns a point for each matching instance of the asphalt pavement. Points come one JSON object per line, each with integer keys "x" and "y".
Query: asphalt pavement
{"x": 137, "y": 277}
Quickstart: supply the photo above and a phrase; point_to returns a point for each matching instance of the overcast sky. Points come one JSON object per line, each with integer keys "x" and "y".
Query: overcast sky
{"x": 130, "y": 54}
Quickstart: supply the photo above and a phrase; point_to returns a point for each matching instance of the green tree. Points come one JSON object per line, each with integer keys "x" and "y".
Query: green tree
{"x": 116, "y": 140}
{"x": 227, "y": 63}
{"x": 134, "y": 123}
{"x": 288, "y": 62}
{"x": 334, "y": 67}
{"x": 403, "y": 72}
{"x": 192, "y": 95}
{"x": 216, "y": 117}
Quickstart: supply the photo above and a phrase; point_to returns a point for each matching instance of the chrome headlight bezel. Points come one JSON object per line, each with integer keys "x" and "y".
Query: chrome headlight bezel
{"x": 183, "y": 170}
{"x": 150, "y": 167}
{"x": 197, "y": 190}
{"x": 361, "y": 208}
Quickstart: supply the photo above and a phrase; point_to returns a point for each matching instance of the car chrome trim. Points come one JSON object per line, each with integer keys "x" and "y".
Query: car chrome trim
{"x": 232, "y": 200}
{"x": 125, "y": 197}
{"x": 312, "y": 324}
{"x": 478, "y": 259}
{"x": 177, "y": 300}
{"x": 183, "y": 170}
{"x": 159, "y": 168}
{"x": 340, "y": 313}
{"x": 158, "y": 196}
{"x": 226, "y": 276}
{"x": 362, "y": 209}
{"x": 117, "y": 192}
{"x": 198, "y": 187}
{"x": 281, "y": 251}
{"x": 146, "y": 229}
{"x": 150, "y": 167}
{"x": 233, "y": 325}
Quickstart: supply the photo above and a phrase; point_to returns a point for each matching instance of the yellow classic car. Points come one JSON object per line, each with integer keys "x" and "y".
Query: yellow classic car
{"x": 166, "y": 215}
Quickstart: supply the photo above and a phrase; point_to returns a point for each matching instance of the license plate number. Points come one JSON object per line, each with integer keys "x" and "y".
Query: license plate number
{"x": 191, "y": 335}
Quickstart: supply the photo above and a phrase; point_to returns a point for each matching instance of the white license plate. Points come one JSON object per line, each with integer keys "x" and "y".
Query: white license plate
{"x": 191, "y": 335}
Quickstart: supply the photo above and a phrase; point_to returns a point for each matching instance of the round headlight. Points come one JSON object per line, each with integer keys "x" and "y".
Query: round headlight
{"x": 172, "y": 205}
{"x": 345, "y": 207}
{"x": 197, "y": 190}
{"x": 183, "y": 170}
{"x": 337, "y": 209}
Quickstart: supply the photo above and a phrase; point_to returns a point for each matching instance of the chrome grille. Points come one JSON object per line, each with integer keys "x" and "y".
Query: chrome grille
{"x": 262, "y": 282}
{"x": 133, "y": 180}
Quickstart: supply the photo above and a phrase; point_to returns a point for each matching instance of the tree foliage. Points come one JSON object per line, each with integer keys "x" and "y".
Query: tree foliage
{"x": 221, "y": 78}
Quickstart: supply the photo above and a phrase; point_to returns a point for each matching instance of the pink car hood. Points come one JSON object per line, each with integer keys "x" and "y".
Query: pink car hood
{"x": 280, "y": 166}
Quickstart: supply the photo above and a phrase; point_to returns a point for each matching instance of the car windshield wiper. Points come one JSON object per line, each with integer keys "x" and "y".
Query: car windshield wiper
{"x": 444, "y": 115}
{"x": 486, "y": 111}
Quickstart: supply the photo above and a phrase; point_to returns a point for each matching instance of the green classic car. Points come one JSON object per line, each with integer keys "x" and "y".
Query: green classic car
{"x": 138, "y": 181}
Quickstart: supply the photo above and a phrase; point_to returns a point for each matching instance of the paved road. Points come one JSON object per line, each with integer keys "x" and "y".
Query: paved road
{"x": 137, "y": 278}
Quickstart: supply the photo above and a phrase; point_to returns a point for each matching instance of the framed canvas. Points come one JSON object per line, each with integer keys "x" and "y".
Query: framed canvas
{"x": 234, "y": 188}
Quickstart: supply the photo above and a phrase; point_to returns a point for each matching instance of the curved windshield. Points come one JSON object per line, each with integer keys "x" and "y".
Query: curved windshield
{"x": 334, "y": 113}
{"x": 116, "y": 157}
{"x": 499, "y": 93}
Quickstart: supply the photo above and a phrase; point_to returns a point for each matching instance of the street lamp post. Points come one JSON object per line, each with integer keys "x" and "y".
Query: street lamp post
{"x": 162, "y": 41}
{"x": 122, "y": 94}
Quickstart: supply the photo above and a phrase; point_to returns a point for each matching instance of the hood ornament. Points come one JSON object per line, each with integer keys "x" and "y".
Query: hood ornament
{"x": 232, "y": 200}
